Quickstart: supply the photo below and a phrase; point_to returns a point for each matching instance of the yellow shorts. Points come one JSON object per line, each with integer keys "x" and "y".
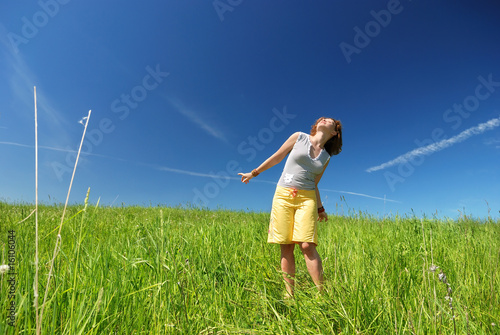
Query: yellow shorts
{"x": 294, "y": 217}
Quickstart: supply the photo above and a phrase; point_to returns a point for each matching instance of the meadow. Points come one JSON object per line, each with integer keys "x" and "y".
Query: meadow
{"x": 182, "y": 270}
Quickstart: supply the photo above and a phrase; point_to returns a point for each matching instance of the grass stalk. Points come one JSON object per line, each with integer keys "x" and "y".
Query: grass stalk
{"x": 434, "y": 286}
{"x": 35, "y": 284}
{"x": 58, "y": 239}
{"x": 75, "y": 269}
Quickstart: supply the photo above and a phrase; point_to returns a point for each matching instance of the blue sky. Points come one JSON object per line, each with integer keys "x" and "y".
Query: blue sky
{"x": 185, "y": 95}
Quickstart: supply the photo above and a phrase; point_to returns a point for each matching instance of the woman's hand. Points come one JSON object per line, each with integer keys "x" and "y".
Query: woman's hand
{"x": 245, "y": 177}
{"x": 322, "y": 216}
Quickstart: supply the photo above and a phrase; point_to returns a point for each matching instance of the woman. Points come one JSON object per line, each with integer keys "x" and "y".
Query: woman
{"x": 297, "y": 203}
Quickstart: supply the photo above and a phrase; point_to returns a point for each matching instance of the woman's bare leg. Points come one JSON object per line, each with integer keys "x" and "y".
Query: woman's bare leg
{"x": 313, "y": 262}
{"x": 288, "y": 266}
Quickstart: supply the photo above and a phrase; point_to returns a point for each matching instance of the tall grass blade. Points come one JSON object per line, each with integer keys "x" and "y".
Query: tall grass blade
{"x": 58, "y": 239}
{"x": 35, "y": 283}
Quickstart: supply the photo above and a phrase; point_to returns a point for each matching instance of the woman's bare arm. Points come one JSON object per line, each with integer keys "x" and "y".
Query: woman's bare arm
{"x": 275, "y": 158}
{"x": 322, "y": 216}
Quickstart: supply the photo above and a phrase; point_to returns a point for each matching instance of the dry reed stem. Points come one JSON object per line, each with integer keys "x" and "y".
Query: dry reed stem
{"x": 434, "y": 284}
{"x": 35, "y": 284}
{"x": 26, "y": 218}
{"x": 58, "y": 239}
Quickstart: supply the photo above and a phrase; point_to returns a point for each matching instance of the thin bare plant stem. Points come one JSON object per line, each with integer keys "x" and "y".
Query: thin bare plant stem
{"x": 58, "y": 239}
{"x": 434, "y": 285}
{"x": 35, "y": 284}
{"x": 78, "y": 248}
{"x": 426, "y": 261}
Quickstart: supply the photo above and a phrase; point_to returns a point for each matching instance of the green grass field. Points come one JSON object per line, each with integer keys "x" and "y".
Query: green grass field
{"x": 160, "y": 270}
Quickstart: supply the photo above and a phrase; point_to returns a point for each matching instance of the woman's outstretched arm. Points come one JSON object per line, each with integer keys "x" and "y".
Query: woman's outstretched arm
{"x": 275, "y": 158}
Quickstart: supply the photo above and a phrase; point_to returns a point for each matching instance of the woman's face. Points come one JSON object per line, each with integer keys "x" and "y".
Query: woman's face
{"x": 327, "y": 125}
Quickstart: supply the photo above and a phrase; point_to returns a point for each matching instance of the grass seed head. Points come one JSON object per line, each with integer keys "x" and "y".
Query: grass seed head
{"x": 4, "y": 269}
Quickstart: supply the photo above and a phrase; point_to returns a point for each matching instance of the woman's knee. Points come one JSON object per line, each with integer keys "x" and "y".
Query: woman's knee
{"x": 308, "y": 248}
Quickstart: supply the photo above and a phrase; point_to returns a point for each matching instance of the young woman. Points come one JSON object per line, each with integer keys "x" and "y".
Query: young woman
{"x": 297, "y": 203}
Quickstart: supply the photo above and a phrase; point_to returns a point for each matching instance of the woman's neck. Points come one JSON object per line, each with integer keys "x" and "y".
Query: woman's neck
{"x": 319, "y": 139}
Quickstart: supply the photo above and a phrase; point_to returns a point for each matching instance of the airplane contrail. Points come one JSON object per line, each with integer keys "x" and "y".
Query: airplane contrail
{"x": 361, "y": 195}
{"x": 59, "y": 149}
{"x": 438, "y": 146}
{"x": 187, "y": 172}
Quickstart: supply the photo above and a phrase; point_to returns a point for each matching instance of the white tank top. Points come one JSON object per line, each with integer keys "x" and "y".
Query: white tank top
{"x": 300, "y": 169}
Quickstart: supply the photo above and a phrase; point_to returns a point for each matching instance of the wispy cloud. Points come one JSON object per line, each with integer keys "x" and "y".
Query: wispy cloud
{"x": 225, "y": 177}
{"x": 31, "y": 146}
{"x": 438, "y": 146}
{"x": 206, "y": 175}
{"x": 361, "y": 195}
{"x": 196, "y": 118}
{"x": 22, "y": 79}
{"x": 188, "y": 172}
{"x": 493, "y": 142}
{"x": 44, "y": 147}
{"x": 192, "y": 173}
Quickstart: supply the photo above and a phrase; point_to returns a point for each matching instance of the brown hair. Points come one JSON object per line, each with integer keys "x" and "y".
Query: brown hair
{"x": 334, "y": 145}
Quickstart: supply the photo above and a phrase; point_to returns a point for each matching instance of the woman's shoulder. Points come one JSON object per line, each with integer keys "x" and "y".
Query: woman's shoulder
{"x": 296, "y": 135}
{"x": 300, "y": 134}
